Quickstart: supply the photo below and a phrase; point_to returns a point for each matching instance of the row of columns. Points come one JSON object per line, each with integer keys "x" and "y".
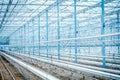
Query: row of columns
{"x": 75, "y": 32}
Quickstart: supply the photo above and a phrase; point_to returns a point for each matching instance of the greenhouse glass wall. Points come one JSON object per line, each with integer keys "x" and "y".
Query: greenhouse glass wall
{"x": 78, "y": 31}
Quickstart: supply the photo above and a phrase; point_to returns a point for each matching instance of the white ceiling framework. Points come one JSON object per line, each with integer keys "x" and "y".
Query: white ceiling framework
{"x": 15, "y": 13}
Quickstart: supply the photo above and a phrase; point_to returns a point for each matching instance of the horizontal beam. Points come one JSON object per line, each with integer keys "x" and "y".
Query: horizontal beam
{"x": 35, "y": 46}
{"x": 82, "y": 38}
{"x": 81, "y": 5}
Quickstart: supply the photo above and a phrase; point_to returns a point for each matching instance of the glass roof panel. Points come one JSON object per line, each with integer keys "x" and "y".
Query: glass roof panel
{"x": 22, "y": 11}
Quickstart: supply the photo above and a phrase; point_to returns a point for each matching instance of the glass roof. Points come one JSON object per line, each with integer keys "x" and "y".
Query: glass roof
{"x": 16, "y": 13}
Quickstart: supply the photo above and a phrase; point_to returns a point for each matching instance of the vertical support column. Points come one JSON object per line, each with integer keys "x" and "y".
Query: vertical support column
{"x": 33, "y": 36}
{"x": 24, "y": 39}
{"x": 47, "y": 33}
{"x": 118, "y": 31}
{"x": 58, "y": 29}
{"x": 75, "y": 30}
{"x": 29, "y": 38}
{"x": 21, "y": 39}
{"x": 102, "y": 32}
{"x": 39, "y": 34}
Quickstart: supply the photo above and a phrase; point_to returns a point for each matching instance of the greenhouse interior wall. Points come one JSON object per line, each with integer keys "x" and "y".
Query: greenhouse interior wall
{"x": 83, "y": 32}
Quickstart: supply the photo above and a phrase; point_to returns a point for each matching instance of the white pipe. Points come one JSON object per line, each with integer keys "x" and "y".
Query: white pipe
{"x": 69, "y": 65}
{"x": 82, "y": 69}
{"x": 32, "y": 69}
{"x": 81, "y": 61}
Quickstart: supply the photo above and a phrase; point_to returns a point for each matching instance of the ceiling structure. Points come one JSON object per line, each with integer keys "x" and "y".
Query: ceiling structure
{"x": 15, "y": 13}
